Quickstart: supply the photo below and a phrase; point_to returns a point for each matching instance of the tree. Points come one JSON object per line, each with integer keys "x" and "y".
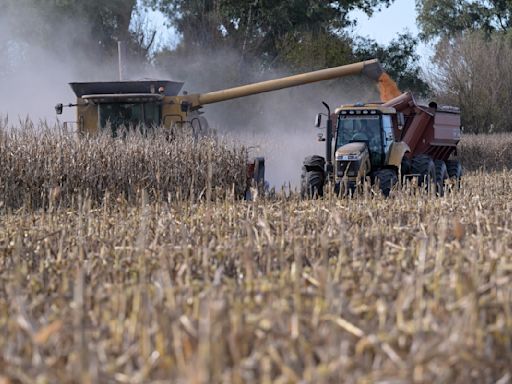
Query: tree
{"x": 263, "y": 29}
{"x": 446, "y": 18}
{"x": 473, "y": 71}
{"x": 472, "y": 60}
{"x": 399, "y": 59}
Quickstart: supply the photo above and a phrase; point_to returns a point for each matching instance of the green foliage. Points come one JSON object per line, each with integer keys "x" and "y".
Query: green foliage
{"x": 444, "y": 18}
{"x": 399, "y": 59}
{"x": 314, "y": 51}
{"x": 272, "y": 31}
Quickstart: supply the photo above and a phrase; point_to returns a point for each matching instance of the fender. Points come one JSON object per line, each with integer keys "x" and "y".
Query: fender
{"x": 396, "y": 153}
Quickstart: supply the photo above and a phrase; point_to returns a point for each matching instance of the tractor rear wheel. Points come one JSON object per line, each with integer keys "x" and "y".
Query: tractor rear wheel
{"x": 386, "y": 179}
{"x": 424, "y": 167}
{"x": 454, "y": 169}
{"x": 441, "y": 176}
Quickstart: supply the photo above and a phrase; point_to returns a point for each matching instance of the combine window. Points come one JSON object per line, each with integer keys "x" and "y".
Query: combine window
{"x": 128, "y": 115}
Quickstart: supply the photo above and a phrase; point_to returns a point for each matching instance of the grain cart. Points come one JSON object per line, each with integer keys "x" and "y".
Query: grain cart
{"x": 105, "y": 106}
{"x": 380, "y": 142}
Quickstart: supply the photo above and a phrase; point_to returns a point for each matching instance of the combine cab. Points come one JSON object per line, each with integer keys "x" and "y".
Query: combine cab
{"x": 381, "y": 143}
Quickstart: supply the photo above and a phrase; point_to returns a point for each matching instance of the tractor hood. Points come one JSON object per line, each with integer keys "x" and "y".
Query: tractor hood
{"x": 350, "y": 151}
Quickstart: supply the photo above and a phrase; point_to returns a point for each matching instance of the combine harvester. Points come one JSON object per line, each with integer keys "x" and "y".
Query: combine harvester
{"x": 383, "y": 143}
{"x": 105, "y": 106}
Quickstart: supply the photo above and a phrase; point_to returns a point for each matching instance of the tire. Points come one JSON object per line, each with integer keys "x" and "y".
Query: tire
{"x": 424, "y": 167}
{"x": 386, "y": 178}
{"x": 441, "y": 176}
{"x": 313, "y": 177}
{"x": 405, "y": 169}
{"x": 405, "y": 166}
{"x": 454, "y": 169}
{"x": 314, "y": 163}
{"x": 312, "y": 184}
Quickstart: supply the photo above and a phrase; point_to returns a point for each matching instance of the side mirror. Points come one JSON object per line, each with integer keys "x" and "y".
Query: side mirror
{"x": 401, "y": 120}
{"x": 58, "y": 109}
{"x": 318, "y": 120}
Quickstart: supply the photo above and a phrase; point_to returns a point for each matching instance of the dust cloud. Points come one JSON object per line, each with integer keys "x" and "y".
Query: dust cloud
{"x": 35, "y": 72}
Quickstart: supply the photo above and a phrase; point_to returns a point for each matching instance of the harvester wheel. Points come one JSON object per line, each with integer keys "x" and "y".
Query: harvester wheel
{"x": 454, "y": 169}
{"x": 424, "y": 167}
{"x": 386, "y": 179}
{"x": 441, "y": 176}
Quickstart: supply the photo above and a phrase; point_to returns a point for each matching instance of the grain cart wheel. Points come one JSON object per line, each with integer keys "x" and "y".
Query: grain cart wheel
{"x": 441, "y": 176}
{"x": 386, "y": 179}
{"x": 424, "y": 167}
{"x": 313, "y": 177}
{"x": 405, "y": 168}
{"x": 454, "y": 169}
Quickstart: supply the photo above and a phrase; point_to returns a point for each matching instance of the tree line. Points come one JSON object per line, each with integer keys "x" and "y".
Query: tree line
{"x": 471, "y": 66}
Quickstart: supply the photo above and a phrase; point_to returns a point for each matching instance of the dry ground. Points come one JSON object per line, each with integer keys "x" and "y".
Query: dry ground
{"x": 407, "y": 289}
{"x": 173, "y": 287}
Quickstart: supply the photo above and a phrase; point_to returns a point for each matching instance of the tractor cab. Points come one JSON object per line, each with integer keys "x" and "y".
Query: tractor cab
{"x": 366, "y": 141}
{"x": 362, "y": 128}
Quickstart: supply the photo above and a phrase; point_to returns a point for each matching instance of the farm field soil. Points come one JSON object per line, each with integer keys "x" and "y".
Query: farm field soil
{"x": 413, "y": 288}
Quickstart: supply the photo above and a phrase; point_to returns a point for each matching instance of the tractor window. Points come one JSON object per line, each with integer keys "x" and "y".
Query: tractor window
{"x": 361, "y": 128}
{"x": 128, "y": 115}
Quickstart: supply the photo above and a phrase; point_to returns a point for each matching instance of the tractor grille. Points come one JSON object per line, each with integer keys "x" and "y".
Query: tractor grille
{"x": 348, "y": 168}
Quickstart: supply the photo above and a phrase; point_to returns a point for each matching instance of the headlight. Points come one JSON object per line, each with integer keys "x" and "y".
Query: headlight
{"x": 355, "y": 157}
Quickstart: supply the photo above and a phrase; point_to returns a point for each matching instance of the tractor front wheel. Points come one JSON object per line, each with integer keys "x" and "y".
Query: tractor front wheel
{"x": 386, "y": 179}
{"x": 312, "y": 184}
{"x": 313, "y": 177}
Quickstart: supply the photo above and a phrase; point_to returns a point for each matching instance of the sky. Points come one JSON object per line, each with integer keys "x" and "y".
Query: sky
{"x": 383, "y": 26}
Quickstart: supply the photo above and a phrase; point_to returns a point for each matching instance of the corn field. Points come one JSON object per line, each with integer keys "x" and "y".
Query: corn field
{"x": 42, "y": 166}
{"x": 408, "y": 289}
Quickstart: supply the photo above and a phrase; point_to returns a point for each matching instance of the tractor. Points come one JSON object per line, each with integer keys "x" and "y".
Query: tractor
{"x": 384, "y": 143}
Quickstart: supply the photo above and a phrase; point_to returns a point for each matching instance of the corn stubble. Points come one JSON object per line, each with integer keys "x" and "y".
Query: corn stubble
{"x": 412, "y": 288}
